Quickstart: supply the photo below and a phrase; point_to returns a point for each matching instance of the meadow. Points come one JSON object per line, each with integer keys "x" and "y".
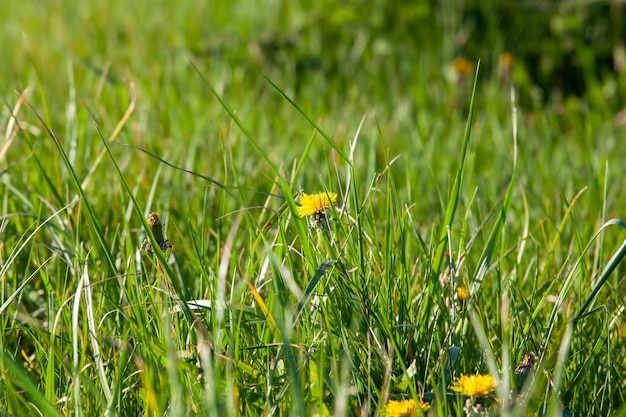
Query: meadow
{"x": 358, "y": 215}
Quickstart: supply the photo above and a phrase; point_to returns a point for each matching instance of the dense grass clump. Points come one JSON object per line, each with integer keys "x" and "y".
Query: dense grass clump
{"x": 219, "y": 217}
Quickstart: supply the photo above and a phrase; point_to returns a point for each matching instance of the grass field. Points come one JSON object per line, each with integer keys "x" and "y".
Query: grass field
{"x": 476, "y": 217}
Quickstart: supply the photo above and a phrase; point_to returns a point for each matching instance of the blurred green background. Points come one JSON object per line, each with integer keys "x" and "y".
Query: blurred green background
{"x": 559, "y": 48}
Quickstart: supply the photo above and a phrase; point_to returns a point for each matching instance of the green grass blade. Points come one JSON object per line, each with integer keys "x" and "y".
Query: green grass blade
{"x": 606, "y": 273}
{"x": 319, "y": 273}
{"x": 24, "y": 382}
{"x": 305, "y": 115}
{"x": 456, "y": 187}
{"x": 92, "y": 221}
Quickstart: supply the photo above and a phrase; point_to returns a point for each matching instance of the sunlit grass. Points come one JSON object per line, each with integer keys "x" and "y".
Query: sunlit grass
{"x": 447, "y": 239}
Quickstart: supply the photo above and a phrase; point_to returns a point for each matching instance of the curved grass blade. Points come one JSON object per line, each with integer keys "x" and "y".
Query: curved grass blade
{"x": 315, "y": 279}
{"x": 22, "y": 379}
{"x": 485, "y": 258}
{"x": 306, "y": 116}
{"x": 241, "y": 126}
{"x": 608, "y": 270}
{"x": 613, "y": 262}
{"x": 570, "y": 207}
{"x": 195, "y": 174}
{"x": 456, "y": 187}
{"x": 92, "y": 222}
{"x": 271, "y": 322}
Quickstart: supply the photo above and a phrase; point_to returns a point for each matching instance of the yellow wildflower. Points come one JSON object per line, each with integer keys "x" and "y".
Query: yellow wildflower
{"x": 474, "y": 385}
{"x": 462, "y": 293}
{"x": 505, "y": 65}
{"x": 315, "y": 203}
{"x": 506, "y": 60}
{"x": 462, "y": 66}
{"x": 406, "y": 408}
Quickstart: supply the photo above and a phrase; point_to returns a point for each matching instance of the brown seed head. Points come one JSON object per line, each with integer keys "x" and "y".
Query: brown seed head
{"x": 157, "y": 231}
{"x": 524, "y": 369}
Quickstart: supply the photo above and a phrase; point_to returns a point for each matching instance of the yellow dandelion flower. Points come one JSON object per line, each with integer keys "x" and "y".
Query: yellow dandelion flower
{"x": 406, "y": 408}
{"x": 506, "y": 60}
{"x": 462, "y": 66}
{"x": 462, "y": 293}
{"x": 505, "y": 66}
{"x": 315, "y": 203}
{"x": 474, "y": 385}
